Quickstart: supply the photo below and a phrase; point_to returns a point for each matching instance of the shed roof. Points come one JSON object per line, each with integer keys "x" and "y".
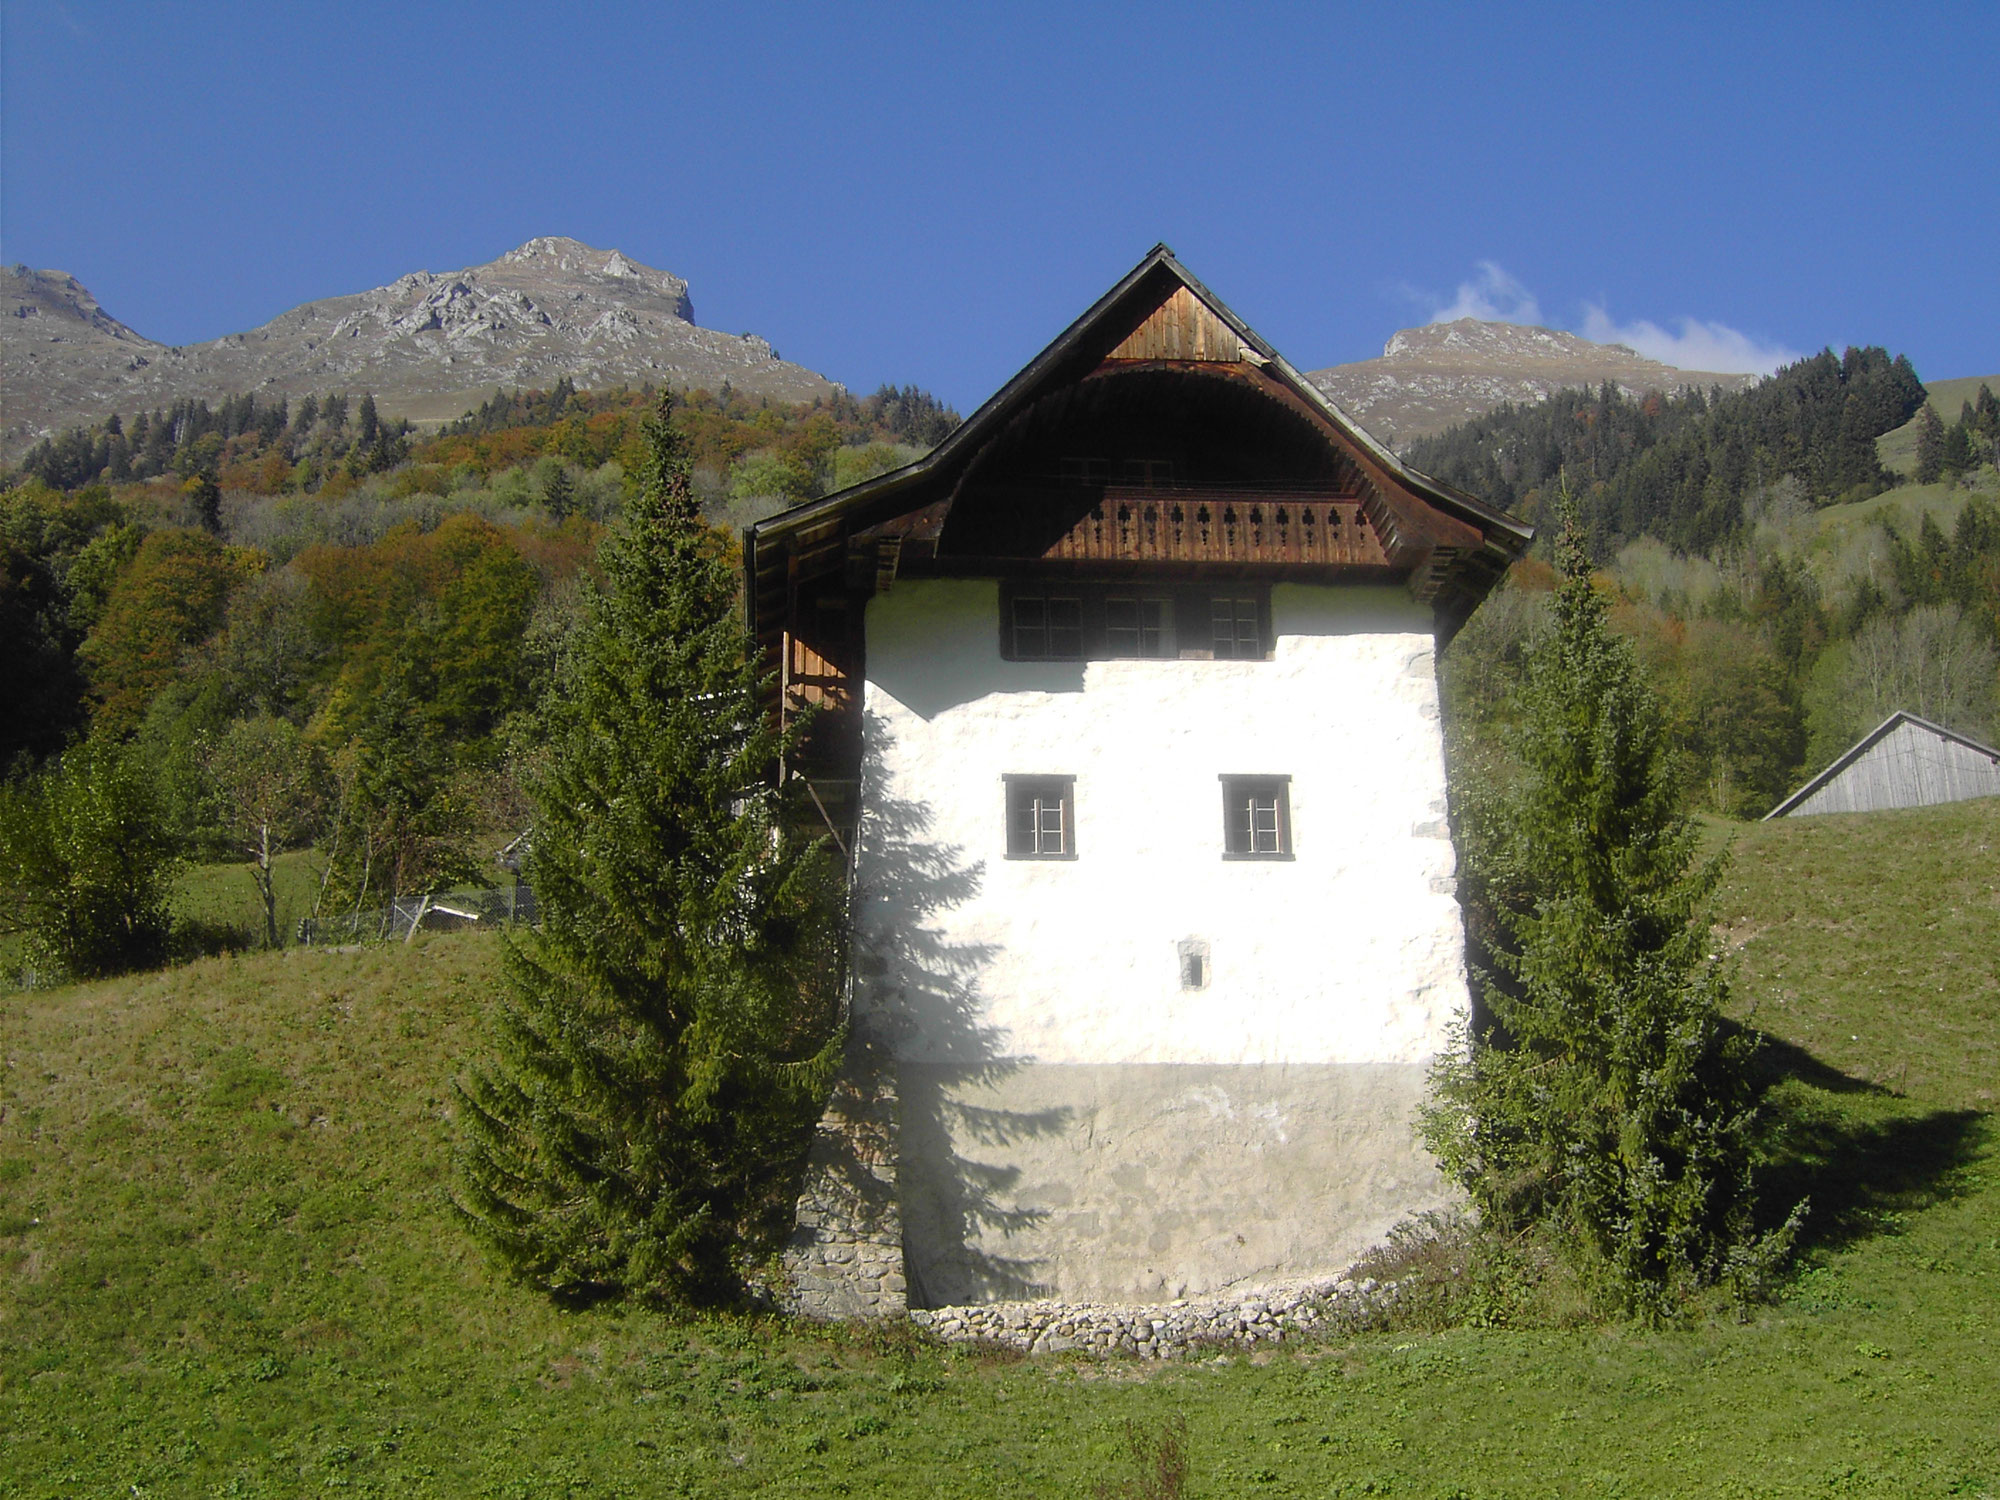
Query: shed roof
{"x": 1867, "y": 742}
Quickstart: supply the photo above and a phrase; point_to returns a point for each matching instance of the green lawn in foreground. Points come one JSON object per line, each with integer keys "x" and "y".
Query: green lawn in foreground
{"x": 227, "y": 1266}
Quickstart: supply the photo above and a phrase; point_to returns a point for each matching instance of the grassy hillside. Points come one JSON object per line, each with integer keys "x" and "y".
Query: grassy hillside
{"x": 228, "y": 1267}
{"x": 1898, "y": 449}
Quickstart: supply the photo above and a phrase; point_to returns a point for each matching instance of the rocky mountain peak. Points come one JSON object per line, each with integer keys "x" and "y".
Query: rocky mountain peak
{"x": 54, "y": 305}
{"x": 1436, "y": 376}
{"x": 430, "y": 344}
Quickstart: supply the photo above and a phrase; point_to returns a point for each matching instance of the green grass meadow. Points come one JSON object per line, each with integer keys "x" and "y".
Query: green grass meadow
{"x": 228, "y": 1267}
{"x": 1898, "y": 449}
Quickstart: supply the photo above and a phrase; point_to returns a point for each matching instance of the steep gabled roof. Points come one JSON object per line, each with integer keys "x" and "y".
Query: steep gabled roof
{"x": 811, "y": 532}
{"x": 1868, "y": 742}
{"x": 994, "y": 413}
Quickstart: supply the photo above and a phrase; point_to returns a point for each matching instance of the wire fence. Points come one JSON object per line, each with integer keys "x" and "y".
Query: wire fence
{"x": 434, "y": 911}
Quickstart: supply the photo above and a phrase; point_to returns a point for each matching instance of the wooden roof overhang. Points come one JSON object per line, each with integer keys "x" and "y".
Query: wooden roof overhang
{"x": 1272, "y": 482}
{"x": 1161, "y": 342}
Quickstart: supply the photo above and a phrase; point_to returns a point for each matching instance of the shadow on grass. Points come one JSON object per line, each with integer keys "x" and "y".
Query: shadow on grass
{"x": 1863, "y": 1154}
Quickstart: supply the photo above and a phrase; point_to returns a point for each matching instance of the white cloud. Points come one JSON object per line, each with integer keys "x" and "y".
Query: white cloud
{"x": 1492, "y": 296}
{"x": 1714, "y": 347}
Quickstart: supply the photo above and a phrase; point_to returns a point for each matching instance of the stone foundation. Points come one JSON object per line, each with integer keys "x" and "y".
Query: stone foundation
{"x": 845, "y": 1256}
{"x": 1289, "y": 1313}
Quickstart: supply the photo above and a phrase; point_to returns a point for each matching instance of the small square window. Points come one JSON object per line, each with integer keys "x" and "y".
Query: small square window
{"x": 1256, "y": 817}
{"x": 1047, "y": 628}
{"x": 1137, "y": 627}
{"x": 1041, "y": 817}
{"x": 1239, "y": 636}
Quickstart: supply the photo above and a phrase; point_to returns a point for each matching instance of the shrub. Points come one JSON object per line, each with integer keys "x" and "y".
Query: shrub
{"x": 86, "y": 864}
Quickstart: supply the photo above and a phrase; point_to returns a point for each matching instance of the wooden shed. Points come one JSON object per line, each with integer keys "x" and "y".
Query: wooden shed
{"x": 1905, "y": 762}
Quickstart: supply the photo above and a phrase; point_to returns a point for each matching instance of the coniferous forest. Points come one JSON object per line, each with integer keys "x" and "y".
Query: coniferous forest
{"x": 1784, "y": 588}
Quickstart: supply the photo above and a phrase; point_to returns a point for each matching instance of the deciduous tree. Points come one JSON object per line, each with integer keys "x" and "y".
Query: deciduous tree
{"x": 85, "y": 865}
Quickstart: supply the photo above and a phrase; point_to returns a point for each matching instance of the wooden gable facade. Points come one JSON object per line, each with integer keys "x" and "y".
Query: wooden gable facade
{"x": 1904, "y": 761}
{"x": 1158, "y": 438}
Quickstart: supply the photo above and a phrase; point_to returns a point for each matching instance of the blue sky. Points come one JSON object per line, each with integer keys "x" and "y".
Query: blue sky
{"x": 929, "y": 194}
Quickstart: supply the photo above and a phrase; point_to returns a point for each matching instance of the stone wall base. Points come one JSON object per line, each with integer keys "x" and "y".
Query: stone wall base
{"x": 845, "y": 1256}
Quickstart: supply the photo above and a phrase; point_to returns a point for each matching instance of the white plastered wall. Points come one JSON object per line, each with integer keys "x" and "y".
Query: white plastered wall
{"x": 1078, "y": 1122}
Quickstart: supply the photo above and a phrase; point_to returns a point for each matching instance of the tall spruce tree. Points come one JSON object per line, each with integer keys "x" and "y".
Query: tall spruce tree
{"x": 1604, "y": 1097}
{"x": 666, "y": 1039}
{"x": 1930, "y": 446}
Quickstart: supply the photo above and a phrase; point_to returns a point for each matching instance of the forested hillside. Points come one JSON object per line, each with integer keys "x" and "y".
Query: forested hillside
{"x": 306, "y": 624}
{"x": 303, "y": 624}
{"x": 1786, "y": 590}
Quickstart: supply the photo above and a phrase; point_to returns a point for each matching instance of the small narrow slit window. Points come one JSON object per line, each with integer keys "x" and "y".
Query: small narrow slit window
{"x": 1047, "y": 628}
{"x": 1041, "y": 817}
{"x": 1256, "y": 817}
{"x": 1239, "y": 635}
{"x": 1194, "y": 963}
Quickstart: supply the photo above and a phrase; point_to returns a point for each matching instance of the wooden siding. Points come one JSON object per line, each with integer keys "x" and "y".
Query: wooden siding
{"x": 1912, "y": 765}
{"x": 1182, "y": 327}
{"x": 811, "y": 678}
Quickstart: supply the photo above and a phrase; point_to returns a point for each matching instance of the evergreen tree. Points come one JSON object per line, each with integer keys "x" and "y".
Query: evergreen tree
{"x": 1986, "y": 414}
{"x": 204, "y": 498}
{"x": 666, "y": 1040}
{"x": 1605, "y": 1099}
{"x": 1930, "y": 446}
{"x": 1959, "y": 452}
{"x": 558, "y": 493}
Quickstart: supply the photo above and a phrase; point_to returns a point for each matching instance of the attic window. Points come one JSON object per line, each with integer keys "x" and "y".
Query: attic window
{"x": 1256, "y": 817}
{"x": 1085, "y": 620}
{"x": 1041, "y": 817}
{"x": 1085, "y": 471}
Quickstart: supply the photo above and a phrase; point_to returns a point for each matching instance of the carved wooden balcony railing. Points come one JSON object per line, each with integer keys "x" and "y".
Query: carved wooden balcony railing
{"x": 1197, "y": 525}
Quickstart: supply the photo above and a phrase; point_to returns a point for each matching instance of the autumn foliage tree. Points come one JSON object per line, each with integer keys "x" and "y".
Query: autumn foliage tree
{"x": 172, "y": 597}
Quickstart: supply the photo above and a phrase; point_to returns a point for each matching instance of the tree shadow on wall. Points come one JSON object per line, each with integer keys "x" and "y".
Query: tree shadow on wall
{"x": 918, "y": 997}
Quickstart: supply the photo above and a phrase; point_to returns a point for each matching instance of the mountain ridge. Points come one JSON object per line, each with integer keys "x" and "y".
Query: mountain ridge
{"x": 429, "y": 344}
{"x": 1433, "y": 377}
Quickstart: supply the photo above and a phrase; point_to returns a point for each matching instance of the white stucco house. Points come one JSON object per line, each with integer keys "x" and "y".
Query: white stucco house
{"x": 1128, "y": 718}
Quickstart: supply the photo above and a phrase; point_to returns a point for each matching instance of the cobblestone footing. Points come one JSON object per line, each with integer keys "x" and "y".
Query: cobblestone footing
{"x": 1289, "y": 1313}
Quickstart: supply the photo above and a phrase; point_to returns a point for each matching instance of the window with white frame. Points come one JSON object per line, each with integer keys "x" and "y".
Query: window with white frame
{"x": 1041, "y": 817}
{"x": 1256, "y": 817}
